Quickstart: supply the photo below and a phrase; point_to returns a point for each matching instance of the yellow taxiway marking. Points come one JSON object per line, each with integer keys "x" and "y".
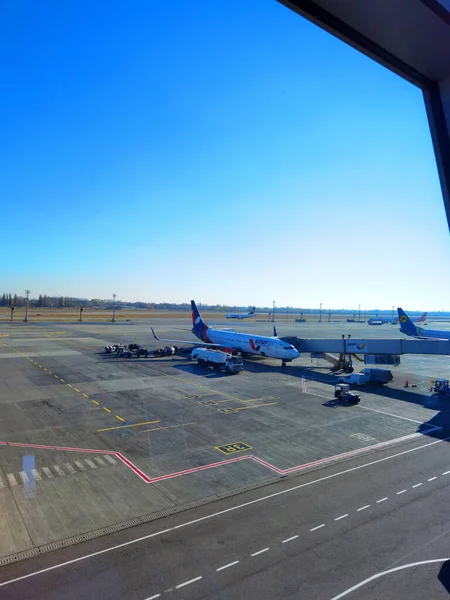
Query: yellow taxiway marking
{"x": 120, "y": 418}
{"x": 77, "y": 390}
{"x": 61, "y": 379}
{"x": 95, "y": 402}
{"x": 126, "y": 426}
{"x": 107, "y": 409}
{"x": 69, "y": 384}
{"x": 56, "y": 376}
{"x": 168, "y": 427}
{"x": 86, "y": 396}
{"x": 45, "y": 369}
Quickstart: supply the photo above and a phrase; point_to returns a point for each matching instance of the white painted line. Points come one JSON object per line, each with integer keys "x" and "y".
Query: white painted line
{"x": 24, "y": 477}
{"x": 259, "y": 552}
{"x": 363, "y": 507}
{"x": 48, "y": 472}
{"x": 381, "y": 500}
{"x": 294, "y": 537}
{"x": 225, "y": 511}
{"x": 378, "y": 575}
{"x": 153, "y": 597}
{"x": 341, "y": 517}
{"x": 36, "y": 475}
{"x": 313, "y": 529}
{"x": 446, "y": 473}
{"x": 71, "y": 469}
{"x": 401, "y": 492}
{"x": 90, "y": 463}
{"x": 432, "y": 478}
{"x": 417, "y": 485}
{"x": 100, "y": 461}
{"x": 109, "y": 459}
{"x": 180, "y": 585}
{"x": 227, "y": 566}
{"x": 382, "y": 412}
{"x": 58, "y": 470}
{"x": 80, "y": 465}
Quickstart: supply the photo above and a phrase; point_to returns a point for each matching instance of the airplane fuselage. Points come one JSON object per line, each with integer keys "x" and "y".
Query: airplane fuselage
{"x": 250, "y": 344}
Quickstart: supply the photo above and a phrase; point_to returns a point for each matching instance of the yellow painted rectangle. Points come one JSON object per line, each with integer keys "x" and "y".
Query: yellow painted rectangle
{"x": 120, "y": 419}
{"x": 107, "y": 409}
{"x": 233, "y": 448}
{"x": 85, "y": 395}
{"x": 76, "y": 389}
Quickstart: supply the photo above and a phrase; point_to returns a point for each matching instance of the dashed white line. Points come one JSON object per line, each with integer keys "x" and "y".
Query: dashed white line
{"x": 446, "y": 473}
{"x": 259, "y": 552}
{"x": 24, "y": 477}
{"x": 432, "y": 478}
{"x": 154, "y": 597}
{"x": 48, "y": 472}
{"x": 294, "y": 537}
{"x": 228, "y": 565}
{"x": 341, "y": 517}
{"x": 363, "y": 507}
{"x": 382, "y": 500}
{"x": 401, "y": 492}
{"x": 417, "y": 485}
{"x": 318, "y": 527}
{"x": 180, "y": 585}
{"x": 36, "y": 474}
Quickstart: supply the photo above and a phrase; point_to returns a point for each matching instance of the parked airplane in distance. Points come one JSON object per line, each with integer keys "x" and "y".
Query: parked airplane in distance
{"x": 251, "y": 313}
{"x": 394, "y": 321}
{"x": 271, "y": 347}
{"x": 408, "y": 327}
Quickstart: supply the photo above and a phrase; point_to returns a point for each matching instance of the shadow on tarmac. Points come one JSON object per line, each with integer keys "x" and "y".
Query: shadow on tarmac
{"x": 444, "y": 575}
{"x": 439, "y": 422}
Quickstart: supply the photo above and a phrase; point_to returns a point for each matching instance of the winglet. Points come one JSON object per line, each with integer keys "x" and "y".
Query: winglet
{"x": 275, "y": 334}
{"x": 154, "y": 334}
{"x": 406, "y": 325}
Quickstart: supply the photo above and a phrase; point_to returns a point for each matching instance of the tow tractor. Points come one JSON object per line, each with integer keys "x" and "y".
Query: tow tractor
{"x": 343, "y": 394}
{"x": 441, "y": 387}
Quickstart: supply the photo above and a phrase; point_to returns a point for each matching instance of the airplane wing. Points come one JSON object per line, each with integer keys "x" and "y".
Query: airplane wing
{"x": 187, "y": 342}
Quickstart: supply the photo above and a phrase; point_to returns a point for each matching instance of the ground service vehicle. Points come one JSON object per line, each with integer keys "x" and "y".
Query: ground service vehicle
{"x": 441, "y": 387}
{"x": 216, "y": 358}
{"x": 377, "y": 376}
{"x": 343, "y": 394}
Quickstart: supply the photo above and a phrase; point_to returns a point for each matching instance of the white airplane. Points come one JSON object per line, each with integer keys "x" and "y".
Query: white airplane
{"x": 251, "y": 313}
{"x": 408, "y": 327}
{"x": 271, "y": 347}
{"x": 394, "y": 320}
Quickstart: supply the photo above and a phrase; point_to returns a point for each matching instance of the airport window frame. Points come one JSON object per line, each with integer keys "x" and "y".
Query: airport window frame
{"x": 440, "y": 135}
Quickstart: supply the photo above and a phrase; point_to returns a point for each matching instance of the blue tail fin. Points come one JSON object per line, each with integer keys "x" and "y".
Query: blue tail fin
{"x": 198, "y": 326}
{"x": 275, "y": 334}
{"x": 406, "y": 325}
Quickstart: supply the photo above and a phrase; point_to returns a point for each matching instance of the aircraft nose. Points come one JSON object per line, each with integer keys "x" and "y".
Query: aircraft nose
{"x": 295, "y": 353}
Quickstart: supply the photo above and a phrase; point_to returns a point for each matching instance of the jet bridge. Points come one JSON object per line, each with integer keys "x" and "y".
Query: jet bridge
{"x": 375, "y": 351}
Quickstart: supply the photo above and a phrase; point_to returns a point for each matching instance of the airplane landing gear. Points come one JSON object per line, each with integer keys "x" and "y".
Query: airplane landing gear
{"x": 283, "y": 364}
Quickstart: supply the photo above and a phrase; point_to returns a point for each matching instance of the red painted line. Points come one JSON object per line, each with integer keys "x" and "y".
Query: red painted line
{"x": 262, "y": 462}
{"x": 129, "y": 464}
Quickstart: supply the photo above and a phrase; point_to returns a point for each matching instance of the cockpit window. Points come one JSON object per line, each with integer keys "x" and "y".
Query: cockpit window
{"x": 288, "y": 347}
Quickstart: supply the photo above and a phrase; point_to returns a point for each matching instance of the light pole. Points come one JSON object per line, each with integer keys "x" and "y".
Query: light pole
{"x": 81, "y": 314}
{"x": 320, "y": 313}
{"x": 273, "y": 311}
{"x": 114, "y": 308}
{"x": 392, "y": 313}
{"x": 27, "y": 292}
{"x": 359, "y": 313}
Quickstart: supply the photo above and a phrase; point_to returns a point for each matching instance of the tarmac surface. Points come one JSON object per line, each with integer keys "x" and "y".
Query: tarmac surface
{"x": 90, "y": 442}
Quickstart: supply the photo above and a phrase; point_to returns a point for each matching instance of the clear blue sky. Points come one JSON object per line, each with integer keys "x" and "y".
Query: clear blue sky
{"x": 230, "y": 152}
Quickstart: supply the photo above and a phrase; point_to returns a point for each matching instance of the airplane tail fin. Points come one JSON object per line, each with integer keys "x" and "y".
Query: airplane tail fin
{"x": 406, "y": 325}
{"x": 198, "y": 326}
{"x": 423, "y": 318}
{"x": 252, "y": 310}
{"x": 275, "y": 334}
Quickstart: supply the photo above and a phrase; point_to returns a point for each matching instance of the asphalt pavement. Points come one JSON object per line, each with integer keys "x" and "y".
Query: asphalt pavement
{"x": 310, "y": 537}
